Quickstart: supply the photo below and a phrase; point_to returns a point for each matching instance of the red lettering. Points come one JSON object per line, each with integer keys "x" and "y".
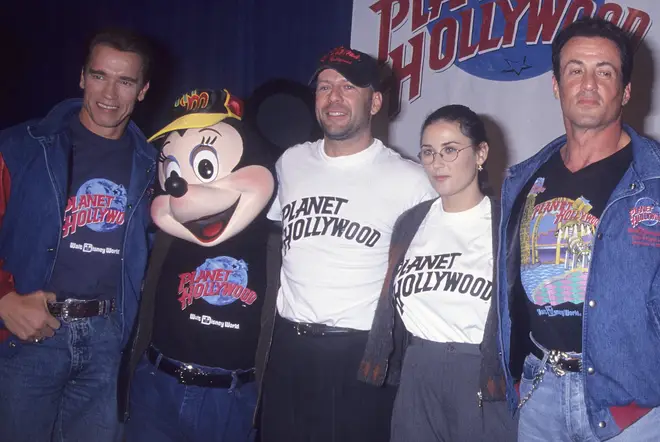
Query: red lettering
{"x": 193, "y": 102}
{"x": 585, "y": 6}
{"x": 70, "y": 204}
{"x": 197, "y": 290}
{"x": 249, "y": 297}
{"x": 237, "y": 290}
{"x": 512, "y": 17}
{"x": 611, "y": 12}
{"x": 412, "y": 71}
{"x": 69, "y": 225}
{"x": 637, "y": 24}
{"x": 544, "y": 20}
{"x": 466, "y": 49}
{"x": 419, "y": 17}
{"x": 487, "y": 42}
{"x": 226, "y": 288}
{"x": 111, "y": 216}
{"x": 388, "y": 23}
{"x": 81, "y": 219}
{"x": 221, "y": 275}
{"x": 185, "y": 299}
{"x": 184, "y": 279}
{"x": 446, "y": 29}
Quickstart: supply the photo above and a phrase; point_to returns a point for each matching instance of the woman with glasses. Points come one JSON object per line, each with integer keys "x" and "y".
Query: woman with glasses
{"x": 435, "y": 329}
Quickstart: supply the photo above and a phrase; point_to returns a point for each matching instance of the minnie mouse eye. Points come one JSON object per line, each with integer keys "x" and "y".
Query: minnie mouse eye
{"x": 205, "y": 165}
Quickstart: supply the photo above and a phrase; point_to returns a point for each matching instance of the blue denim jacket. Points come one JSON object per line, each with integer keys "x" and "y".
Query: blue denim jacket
{"x": 36, "y": 154}
{"x": 621, "y": 318}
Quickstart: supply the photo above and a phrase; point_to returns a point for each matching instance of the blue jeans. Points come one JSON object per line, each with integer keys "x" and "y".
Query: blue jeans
{"x": 556, "y": 411}
{"x": 164, "y": 410}
{"x": 63, "y": 389}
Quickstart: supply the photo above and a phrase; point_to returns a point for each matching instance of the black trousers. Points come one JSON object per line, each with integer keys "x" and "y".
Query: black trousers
{"x": 311, "y": 392}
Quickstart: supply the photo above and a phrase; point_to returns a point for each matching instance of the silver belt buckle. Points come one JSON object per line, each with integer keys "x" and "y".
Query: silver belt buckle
{"x": 300, "y": 329}
{"x": 65, "y": 310}
{"x": 187, "y": 369}
{"x": 554, "y": 358}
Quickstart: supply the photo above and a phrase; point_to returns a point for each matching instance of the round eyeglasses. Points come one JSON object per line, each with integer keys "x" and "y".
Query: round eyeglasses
{"x": 447, "y": 153}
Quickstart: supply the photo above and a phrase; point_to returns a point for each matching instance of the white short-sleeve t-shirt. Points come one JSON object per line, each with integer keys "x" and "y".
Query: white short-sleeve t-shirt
{"x": 443, "y": 287}
{"x": 337, "y": 216}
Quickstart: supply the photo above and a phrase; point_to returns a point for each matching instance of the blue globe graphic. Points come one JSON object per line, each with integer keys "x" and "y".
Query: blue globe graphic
{"x": 518, "y": 62}
{"x": 101, "y": 186}
{"x": 238, "y": 276}
{"x": 656, "y": 210}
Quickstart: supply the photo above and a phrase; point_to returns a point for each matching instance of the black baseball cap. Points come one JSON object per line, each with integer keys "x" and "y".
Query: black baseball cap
{"x": 359, "y": 68}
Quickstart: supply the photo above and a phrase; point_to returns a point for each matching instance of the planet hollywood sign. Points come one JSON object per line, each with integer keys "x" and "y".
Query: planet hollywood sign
{"x": 498, "y": 40}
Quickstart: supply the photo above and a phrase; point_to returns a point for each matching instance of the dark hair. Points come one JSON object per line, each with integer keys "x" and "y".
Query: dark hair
{"x": 471, "y": 125}
{"x": 126, "y": 41}
{"x": 595, "y": 27}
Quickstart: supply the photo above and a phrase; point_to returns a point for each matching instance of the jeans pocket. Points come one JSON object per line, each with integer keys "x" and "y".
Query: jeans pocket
{"x": 531, "y": 367}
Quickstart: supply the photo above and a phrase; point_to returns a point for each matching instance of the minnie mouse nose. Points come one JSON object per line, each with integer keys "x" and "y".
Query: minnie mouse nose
{"x": 176, "y": 186}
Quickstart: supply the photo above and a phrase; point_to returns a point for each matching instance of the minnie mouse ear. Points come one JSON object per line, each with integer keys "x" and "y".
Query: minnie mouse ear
{"x": 281, "y": 111}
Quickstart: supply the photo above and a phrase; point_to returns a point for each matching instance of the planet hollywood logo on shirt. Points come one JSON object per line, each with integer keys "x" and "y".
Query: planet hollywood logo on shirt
{"x": 318, "y": 216}
{"x": 646, "y": 212}
{"x": 99, "y": 205}
{"x": 434, "y": 273}
{"x": 644, "y": 220}
{"x": 498, "y": 40}
{"x": 219, "y": 281}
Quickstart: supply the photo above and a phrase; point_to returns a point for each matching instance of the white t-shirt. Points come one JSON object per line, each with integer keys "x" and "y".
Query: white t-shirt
{"x": 337, "y": 216}
{"x": 444, "y": 285}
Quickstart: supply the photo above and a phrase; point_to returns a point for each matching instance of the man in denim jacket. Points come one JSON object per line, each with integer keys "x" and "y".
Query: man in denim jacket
{"x": 579, "y": 287}
{"x": 74, "y": 213}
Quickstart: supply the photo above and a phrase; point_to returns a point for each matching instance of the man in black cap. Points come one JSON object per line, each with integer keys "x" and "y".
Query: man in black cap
{"x": 337, "y": 201}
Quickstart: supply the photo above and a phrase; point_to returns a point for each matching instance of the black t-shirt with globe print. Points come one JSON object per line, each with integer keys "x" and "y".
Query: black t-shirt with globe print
{"x": 209, "y": 300}
{"x": 88, "y": 262}
{"x": 559, "y": 221}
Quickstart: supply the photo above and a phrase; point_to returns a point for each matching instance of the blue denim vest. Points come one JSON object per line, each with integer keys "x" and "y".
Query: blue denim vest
{"x": 621, "y": 318}
{"x": 36, "y": 154}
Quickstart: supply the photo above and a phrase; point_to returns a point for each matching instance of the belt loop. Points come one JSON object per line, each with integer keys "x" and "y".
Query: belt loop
{"x": 234, "y": 382}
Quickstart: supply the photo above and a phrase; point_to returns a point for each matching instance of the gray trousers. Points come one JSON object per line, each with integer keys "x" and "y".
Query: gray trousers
{"x": 437, "y": 398}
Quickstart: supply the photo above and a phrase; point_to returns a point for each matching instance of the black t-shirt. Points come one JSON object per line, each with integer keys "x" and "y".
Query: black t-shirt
{"x": 88, "y": 262}
{"x": 557, "y": 230}
{"x": 209, "y": 300}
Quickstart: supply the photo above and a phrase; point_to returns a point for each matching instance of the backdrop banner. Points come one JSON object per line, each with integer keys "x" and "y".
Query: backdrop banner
{"x": 495, "y": 57}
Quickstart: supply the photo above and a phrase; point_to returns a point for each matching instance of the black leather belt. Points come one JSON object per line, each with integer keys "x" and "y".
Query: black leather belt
{"x": 561, "y": 363}
{"x": 304, "y": 328}
{"x": 190, "y": 375}
{"x": 71, "y": 309}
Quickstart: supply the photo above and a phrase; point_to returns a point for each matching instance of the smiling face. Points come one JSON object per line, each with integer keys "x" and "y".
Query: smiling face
{"x": 344, "y": 110}
{"x": 207, "y": 201}
{"x": 112, "y": 83}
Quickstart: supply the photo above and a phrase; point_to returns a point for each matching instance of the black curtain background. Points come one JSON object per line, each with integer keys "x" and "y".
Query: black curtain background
{"x": 233, "y": 44}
